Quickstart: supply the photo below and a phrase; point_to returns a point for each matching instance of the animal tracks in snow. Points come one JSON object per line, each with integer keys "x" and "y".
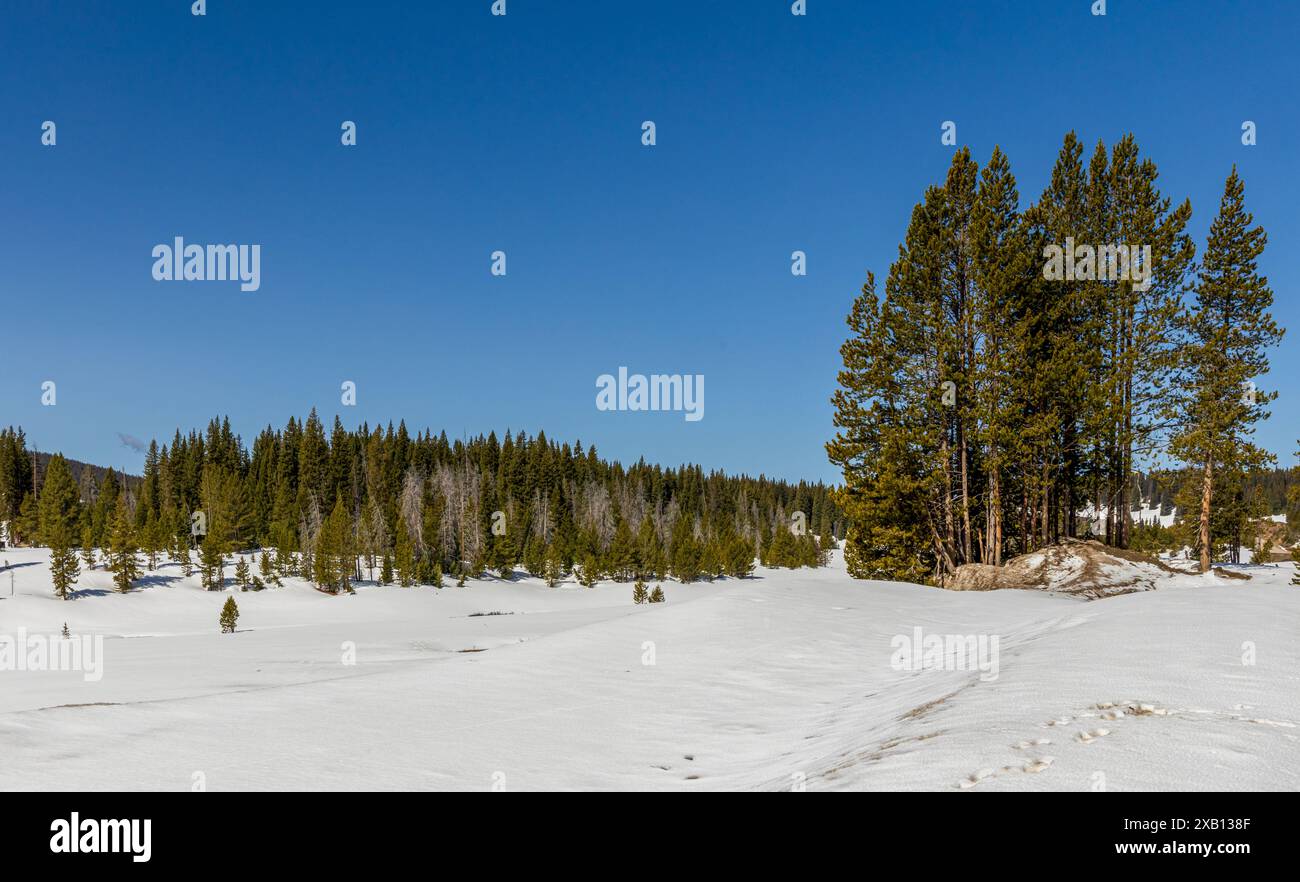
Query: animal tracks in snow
{"x": 1085, "y": 733}
{"x": 1038, "y": 765}
{"x": 1037, "y": 742}
{"x": 1032, "y": 767}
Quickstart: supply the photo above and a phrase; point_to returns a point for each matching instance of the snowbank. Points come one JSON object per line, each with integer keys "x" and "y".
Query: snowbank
{"x": 1074, "y": 566}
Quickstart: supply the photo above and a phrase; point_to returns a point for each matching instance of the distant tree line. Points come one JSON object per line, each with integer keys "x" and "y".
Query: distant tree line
{"x": 414, "y": 509}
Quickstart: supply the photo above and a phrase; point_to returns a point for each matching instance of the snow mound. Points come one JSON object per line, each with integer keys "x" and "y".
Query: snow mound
{"x": 1082, "y": 567}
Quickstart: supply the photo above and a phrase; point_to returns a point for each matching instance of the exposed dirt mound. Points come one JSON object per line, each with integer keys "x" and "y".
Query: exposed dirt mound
{"x": 1075, "y": 566}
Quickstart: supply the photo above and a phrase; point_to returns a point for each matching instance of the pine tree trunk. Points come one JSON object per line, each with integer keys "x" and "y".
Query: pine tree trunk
{"x": 949, "y": 525}
{"x": 1207, "y": 488}
{"x": 965, "y": 499}
{"x": 1024, "y": 514}
{"x": 1046, "y": 502}
{"x": 994, "y": 555}
{"x": 1071, "y": 524}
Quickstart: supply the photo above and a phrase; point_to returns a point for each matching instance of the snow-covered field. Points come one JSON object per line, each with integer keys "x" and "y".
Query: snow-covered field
{"x": 772, "y": 683}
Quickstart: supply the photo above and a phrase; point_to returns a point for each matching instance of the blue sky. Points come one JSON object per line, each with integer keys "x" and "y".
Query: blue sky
{"x": 523, "y": 133}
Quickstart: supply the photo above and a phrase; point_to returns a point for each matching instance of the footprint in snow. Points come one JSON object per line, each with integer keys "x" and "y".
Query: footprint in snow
{"x": 1038, "y": 765}
{"x": 1143, "y": 710}
{"x": 1037, "y": 742}
{"x": 975, "y": 778}
{"x": 1089, "y": 737}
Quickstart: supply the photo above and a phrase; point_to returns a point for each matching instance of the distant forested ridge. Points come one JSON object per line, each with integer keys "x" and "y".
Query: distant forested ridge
{"x": 22, "y": 471}
{"x": 423, "y": 506}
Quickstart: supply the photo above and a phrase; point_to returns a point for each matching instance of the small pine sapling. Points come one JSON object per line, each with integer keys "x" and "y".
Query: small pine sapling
{"x": 229, "y": 616}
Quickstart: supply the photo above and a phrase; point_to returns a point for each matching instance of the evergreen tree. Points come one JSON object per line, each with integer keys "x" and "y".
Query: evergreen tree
{"x": 16, "y": 480}
{"x": 149, "y": 503}
{"x": 685, "y": 551}
{"x": 151, "y": 540}
{"x": 404, "y": 559}
{"x": 243, "y": 574}
{"x": 324, "y": 554}
{"x": 122, "y": 547}
{"x": 181, "y": 553}
{"x": 374, "y": 535}
{"x": 622, "y": 563}
{"x": 386, "y": 571}
{"x": 650, "y": 554}
{"x": 212, "y": 562}
{"x": 553, "y": 570}
{"x": 28, "y": 524}
{"x": 229, "y": 615}
{"x": 657, "y": 595}
{"x": 267, "y": 570}
{"x": 588, "y": 572}
{"x": 711, "y": 559}
{"x": 739, "y": 556}
{"x": 535, "y": 556}
{"x": 104, "y": 507}
{"x": 285, "y": 562}
{"x": 336, "y": 557}
{"x": 1227, "y": 332}
{"x": 59, "y": 512}
{"x": 639, "y": 593}
{"x": 88, "y": 547}
{"x": 889, "y": 482}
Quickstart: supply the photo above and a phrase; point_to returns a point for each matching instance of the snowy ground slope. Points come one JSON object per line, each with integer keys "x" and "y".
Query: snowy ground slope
{"x": 757, "y": 684}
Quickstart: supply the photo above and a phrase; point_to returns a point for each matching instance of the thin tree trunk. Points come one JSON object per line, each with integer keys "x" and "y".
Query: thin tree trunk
{"x": 1207, "y": 489}
{"x": 1046, "y": 503}
{"x": 965, "y": 498}
{"x": 994, "y": 555}
{"x": 949, "y": 525}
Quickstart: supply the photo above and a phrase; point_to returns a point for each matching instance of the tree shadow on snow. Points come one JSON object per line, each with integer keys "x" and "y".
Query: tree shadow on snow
{"x": 79, "y": 593}
{"x": 154, "y": 581}
{"x": 19, "y": 566}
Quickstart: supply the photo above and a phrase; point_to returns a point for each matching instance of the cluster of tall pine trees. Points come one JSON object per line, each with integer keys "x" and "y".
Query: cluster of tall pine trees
{"x": 417, "y": 509}
{"x": 987, "y": 408}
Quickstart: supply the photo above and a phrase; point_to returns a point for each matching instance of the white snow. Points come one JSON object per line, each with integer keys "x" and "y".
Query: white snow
{"x": 770, "y": 683}
{"x": 1146, "y": 515}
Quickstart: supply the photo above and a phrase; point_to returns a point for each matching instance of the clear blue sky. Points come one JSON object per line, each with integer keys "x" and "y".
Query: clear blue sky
{"x": 522, "y": 133}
